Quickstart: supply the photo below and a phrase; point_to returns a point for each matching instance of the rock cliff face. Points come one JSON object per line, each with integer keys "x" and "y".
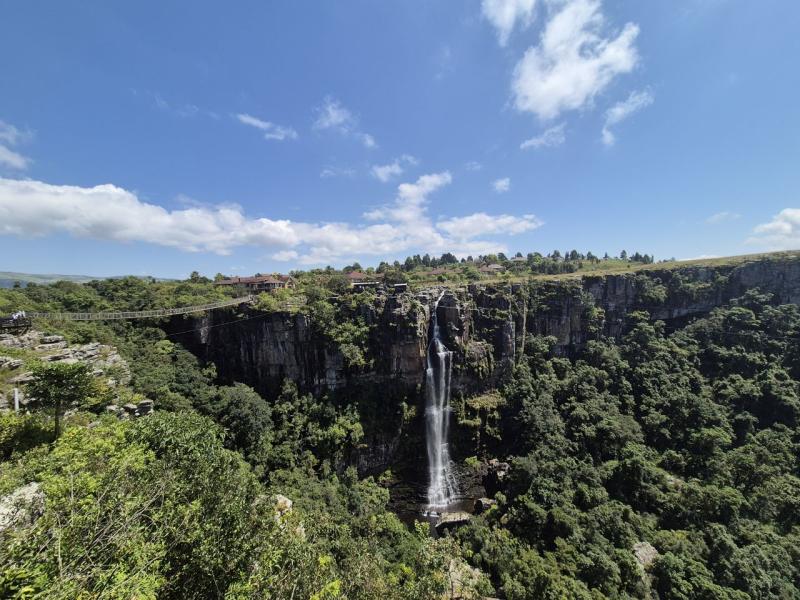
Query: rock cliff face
{"x": 574, "y": 310}
{"x": 486, "y": 327}
{"x": 480, "y": 325}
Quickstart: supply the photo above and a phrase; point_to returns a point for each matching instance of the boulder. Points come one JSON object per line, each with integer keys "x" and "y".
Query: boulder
{"x": 463, "y": 581}
{"x": 6, "y": 362}
{"x": 283, "y": 505}
{"x": 645, "y": 554}
{"x": 22, "y": 378}
{"x": 53, "y": 346}
{"x": 451, "y": 520}
{"x": 21, "y": 507}
{"x": 145, "y": 407}
{"x": 484, "y": 504}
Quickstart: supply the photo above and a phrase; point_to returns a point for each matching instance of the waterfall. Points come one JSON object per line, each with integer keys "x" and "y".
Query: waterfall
{"x": 442, "y": 486}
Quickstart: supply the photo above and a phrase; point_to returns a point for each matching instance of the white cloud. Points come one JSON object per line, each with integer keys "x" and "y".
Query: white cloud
{"x": 11, "y": 136}
{"x": 501, "y": 185}
{"x": 393, "y": 169}
{"x": 107, "y": 212}
{"x": 554, "y": 136}
{"x": 328, "y": 172}
{"x": 782, "y": 233}
{"x": 12, "y": 159}
{"x": 333, "y": 116}
{"x": 573, "y": 62}
{"x": 473, "y": 165}
{"x": 180, "y": 110}
{"x": 622, "y": 110}
{"x": 409, "y": 206}
{"x": 505, "y": 15}
{"x": 367, "y": 140}
{"x": 483, "y": 224}
{"x": 271, "y": 130}
{"x": 443, "y": 62}
{"x": 387, "y": 172}
{"x": 722, "y": 217}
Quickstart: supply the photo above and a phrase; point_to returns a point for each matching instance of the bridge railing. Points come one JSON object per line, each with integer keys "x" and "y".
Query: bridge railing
{"x": 140, "y": 314}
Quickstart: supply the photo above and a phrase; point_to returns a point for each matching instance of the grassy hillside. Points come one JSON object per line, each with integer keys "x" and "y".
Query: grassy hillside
{"x": 617, "y": 266}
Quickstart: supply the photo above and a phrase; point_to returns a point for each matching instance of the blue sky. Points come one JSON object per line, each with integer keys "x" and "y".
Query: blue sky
{"x": 163, "y": 137}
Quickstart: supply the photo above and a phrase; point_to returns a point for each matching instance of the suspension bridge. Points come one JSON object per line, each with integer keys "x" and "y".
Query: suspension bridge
{"x": 23, "y": 322}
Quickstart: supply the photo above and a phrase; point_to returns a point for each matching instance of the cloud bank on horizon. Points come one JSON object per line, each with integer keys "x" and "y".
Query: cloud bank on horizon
{"x": 107, "y": 212}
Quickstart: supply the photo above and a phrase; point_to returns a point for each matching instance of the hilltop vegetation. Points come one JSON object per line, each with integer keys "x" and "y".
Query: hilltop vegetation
{"x": 662, "y": 462}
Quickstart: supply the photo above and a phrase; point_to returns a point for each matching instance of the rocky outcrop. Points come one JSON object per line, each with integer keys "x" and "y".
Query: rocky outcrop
{"x": 645, "y": 554}
{"x": 103, "y": 360}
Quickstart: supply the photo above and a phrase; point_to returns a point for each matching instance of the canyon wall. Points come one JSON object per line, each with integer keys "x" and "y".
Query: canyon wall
{"x": 485, "y": 326}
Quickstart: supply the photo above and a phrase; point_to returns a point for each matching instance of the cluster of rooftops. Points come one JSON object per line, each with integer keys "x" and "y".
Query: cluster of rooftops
{"x": 357, "y": 279}
{"x": 260, "y": 283}
{"x": 265, "y": 283}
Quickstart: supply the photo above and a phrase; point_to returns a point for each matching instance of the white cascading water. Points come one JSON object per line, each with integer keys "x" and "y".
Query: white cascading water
{"x": 442, "y": 487}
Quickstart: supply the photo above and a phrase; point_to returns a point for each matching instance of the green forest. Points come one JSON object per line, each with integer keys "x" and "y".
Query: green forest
{"x": 656, "y": 464}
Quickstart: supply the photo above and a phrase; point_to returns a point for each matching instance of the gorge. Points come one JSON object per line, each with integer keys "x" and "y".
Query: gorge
{"x": 477, "y": 333}
{"x": 618, "y": 435}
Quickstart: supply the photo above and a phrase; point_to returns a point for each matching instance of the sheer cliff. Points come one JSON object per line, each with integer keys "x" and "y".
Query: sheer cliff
{"x": 485, "y": 326}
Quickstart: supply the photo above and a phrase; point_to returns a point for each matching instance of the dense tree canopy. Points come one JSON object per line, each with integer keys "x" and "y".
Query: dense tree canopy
{"x": 686, "y": 441}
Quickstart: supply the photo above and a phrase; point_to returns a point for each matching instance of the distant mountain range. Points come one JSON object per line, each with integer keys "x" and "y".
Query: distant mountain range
{"x": 9, "y": 278}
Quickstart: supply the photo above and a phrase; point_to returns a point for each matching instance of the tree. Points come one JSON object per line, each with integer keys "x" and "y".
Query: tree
{"x": 392, "y": 276}
{"x": 59, "y": 385}
{"x": 338, "y": 283}
{"x": 195, "y": 277}
{"x": 245, "y": 415}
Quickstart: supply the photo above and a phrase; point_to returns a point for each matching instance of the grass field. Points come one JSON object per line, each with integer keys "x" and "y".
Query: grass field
{"x": 619, "y": 267}
{"x": 615, "y": 266}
